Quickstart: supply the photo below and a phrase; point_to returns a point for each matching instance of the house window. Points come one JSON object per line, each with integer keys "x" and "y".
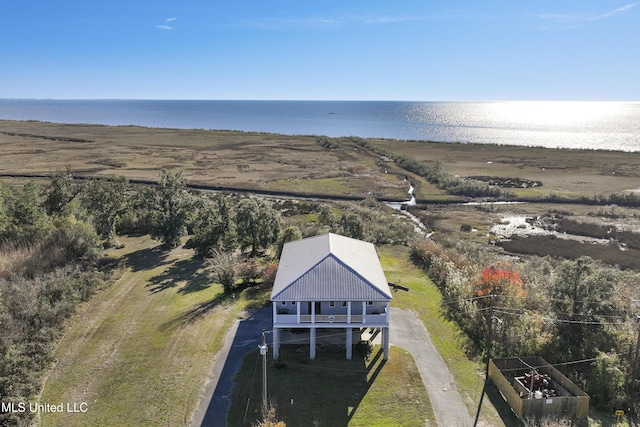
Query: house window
{"x": 293, "y": 303}
{"x": 332, "y": 303}
{"x": 344, "y": 303}
{"x": 369, "y": 302}
{"x": 283, "y": 303}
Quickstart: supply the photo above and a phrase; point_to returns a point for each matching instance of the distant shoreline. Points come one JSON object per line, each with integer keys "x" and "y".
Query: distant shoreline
{"x": 420, "y": 141}
{"x": 297, "y": 165}
{"x": 575, "y": 125}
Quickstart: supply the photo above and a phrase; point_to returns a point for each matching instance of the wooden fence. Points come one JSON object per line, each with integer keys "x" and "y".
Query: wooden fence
{"x": 573, "y": 403}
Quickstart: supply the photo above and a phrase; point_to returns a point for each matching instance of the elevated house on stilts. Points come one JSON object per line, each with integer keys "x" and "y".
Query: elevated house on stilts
{"x": 330, "y": 282}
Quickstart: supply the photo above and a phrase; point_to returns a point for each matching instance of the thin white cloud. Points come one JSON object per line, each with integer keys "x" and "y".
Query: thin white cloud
{"x": 614, "y": 12}
{"x": 317, "y": 23}
{"x": 166, "y": 26}
{"x": 576, "y": 18}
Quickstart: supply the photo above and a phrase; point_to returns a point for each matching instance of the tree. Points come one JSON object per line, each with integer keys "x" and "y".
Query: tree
{"x": 75, "y": 237}
{"x": 61, "y": 191}
{"x": 500, "y": 281}
{"x": 351, "y": 225}
{"x": 582, "y": 296}
{"x": 28, "y": 221}
{"x": 289, "y": 234}
{"x": 606, "y": 382}
{"x": 258, "y": 224}
{"x": 214, "y": 229}
{"x": 171, "y": 209}
{"x": 106, "y": 200}
{"x": 326, "y": 216}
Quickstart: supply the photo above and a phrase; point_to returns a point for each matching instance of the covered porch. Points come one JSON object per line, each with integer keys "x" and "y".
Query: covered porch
{"x": 365, "y": 313}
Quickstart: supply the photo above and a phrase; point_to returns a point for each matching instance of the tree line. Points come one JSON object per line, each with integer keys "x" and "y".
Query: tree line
{"x": 576, "y": 313}
{"x": 52, "y": 238}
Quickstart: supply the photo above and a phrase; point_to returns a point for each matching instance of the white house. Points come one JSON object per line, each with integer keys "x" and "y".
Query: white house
{"x": 330, "y": 281}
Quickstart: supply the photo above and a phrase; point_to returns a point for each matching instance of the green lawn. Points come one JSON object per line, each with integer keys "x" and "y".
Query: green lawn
{"x": 333, "y": 391}
{"x": 140, "y": 351}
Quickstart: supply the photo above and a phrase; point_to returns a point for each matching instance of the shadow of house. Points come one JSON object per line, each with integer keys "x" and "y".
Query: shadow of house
{"x": 324, "y": 391}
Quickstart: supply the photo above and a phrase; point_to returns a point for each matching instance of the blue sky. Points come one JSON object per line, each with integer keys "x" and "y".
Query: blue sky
{"x": 423, "y": 50}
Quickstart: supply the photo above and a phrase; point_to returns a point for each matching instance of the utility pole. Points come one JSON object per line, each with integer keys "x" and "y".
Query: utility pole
{"x": 263, "y": 351}
{"x": 486, "y": 371}
{"x": 634, "y": 370}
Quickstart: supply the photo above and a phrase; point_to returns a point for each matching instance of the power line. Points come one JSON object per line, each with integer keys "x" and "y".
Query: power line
{"x": 554, "y": 365}
{"x": 562, "y": 321}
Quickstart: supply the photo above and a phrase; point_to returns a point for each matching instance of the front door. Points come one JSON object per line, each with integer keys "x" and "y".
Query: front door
{"x": 317, "y": 303}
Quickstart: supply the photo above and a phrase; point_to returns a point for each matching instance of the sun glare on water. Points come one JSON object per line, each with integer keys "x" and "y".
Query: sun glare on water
{"x": 550, "y": 113}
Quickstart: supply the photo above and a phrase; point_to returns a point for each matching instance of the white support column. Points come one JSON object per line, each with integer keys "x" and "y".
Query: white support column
{"x": 312, "y": 343}
{"x": 364, "y": 312}
{"x": 298, "y": 312}
{"x": 388, "y": 311}
{"x": 313, "y": 312}
{"x": 275, "y": 312}
{"x": 349, "y": 343}
{"x": 276, "y": 343}
{"x": 348, "y": 311}
{"x": 385, "y": 342}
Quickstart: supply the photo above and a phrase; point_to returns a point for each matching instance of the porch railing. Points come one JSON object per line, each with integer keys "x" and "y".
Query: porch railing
{"x": 369, "y": 319}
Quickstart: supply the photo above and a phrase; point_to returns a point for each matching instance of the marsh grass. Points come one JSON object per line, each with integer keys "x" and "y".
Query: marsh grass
{"x": 611, "y": 254}
{"x": 243, "y": 160}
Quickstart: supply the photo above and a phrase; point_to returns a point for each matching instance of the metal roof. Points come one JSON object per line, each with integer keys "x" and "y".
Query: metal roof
{"x": 330, "y": 267}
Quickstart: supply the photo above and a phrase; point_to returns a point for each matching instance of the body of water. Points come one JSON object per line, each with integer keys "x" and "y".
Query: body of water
{"x": 590, "y": 125}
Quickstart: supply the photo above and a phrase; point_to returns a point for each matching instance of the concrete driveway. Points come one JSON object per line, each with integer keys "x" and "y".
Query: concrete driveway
{"x": 407, "y": 332}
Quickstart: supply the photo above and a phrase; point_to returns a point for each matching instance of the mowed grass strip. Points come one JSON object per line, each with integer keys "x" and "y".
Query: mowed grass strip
{"x": 140, "y": 351}
{"x": 424, "y": 298}
{"x": 333, "y": 391}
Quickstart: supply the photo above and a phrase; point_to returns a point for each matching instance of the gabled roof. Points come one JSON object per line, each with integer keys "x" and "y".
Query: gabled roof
{"x": 330, "y": 267}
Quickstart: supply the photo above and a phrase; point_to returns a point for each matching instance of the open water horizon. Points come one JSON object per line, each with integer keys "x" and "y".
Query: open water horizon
{"x": 596, "y": 125}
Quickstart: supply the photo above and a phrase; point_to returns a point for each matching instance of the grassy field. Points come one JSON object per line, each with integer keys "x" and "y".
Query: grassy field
{"x": 140, "y": 351}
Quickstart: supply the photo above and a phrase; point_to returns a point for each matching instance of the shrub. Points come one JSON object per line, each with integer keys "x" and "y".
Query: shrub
{"x": 223, "y": 266}
{"x": 268, "y": 275}
{"x": 249, "y": 271}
